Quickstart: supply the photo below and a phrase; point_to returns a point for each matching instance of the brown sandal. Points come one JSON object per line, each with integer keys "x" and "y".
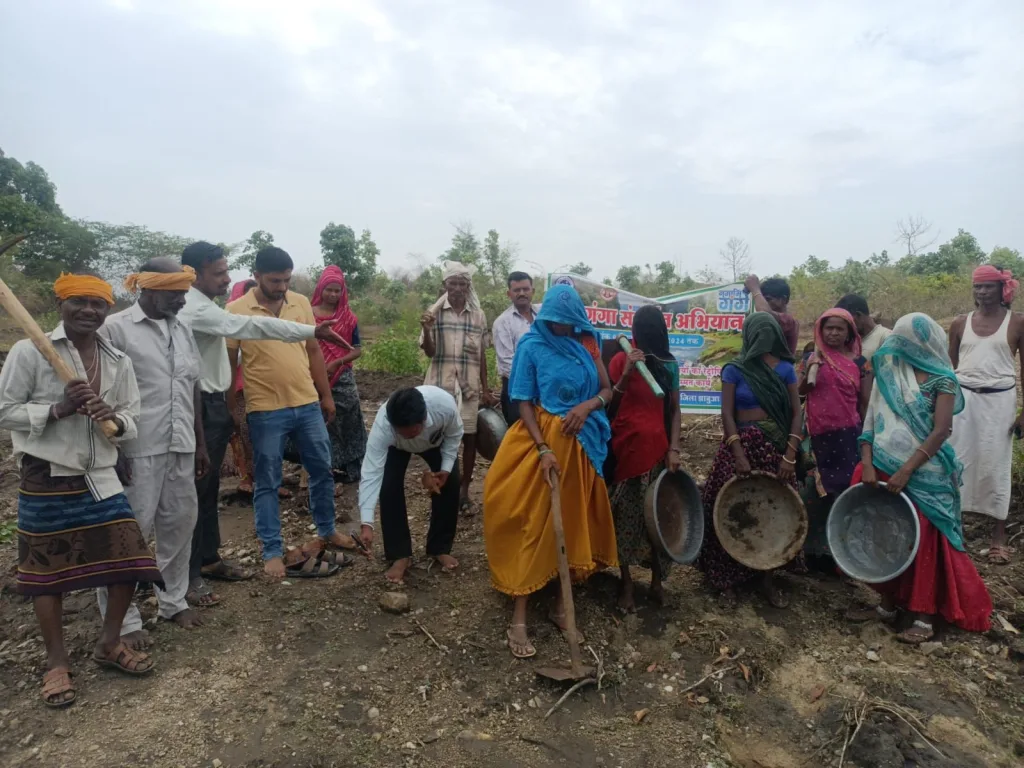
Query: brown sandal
{"x": 999, "y": 555}
{"x": 56, "y": 683}
{"x": 124, "y": 659}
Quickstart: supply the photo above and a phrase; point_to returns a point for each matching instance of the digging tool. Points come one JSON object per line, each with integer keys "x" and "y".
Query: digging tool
{"x": 577, "y": 670}
{"x": 643, "y": 369}
{"x": 42, "y": 342}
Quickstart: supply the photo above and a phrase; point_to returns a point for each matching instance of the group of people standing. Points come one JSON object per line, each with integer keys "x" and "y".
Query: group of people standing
{"x": 132, "y": 447}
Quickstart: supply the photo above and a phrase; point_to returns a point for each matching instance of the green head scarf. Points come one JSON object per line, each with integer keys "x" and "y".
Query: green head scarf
{"x": 762, "y": 335}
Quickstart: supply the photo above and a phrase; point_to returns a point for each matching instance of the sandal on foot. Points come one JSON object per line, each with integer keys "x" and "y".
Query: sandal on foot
{"x": 313, "y": 568}
{"x": 223, "y": 570}
{"x": 202, "y": 597}
{"x": 919, "y": 632}
{"x": 467, "y": 508}
{"x": 999, "y": 555}
{"x": 124, "y": 659}
{"x": 56, "y": 684}
{"x": 520, "y": 650}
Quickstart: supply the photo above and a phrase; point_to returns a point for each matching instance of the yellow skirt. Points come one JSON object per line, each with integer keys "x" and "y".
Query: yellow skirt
{"x": 518, "y": 531}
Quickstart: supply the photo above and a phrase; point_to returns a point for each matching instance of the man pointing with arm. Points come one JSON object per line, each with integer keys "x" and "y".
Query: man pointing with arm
{"x": 211, "y": 325}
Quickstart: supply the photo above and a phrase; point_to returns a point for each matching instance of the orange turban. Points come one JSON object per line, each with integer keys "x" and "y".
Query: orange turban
{"x": 67, "y": 286}
{"x": 161, "y": 281}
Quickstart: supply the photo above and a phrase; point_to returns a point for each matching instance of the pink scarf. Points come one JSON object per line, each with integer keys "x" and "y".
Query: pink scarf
{"x": 833, "y": 403}
{"x": 986, "y": 273}
{"x": 238, "y": 290}
{"x": 343, "y": 320}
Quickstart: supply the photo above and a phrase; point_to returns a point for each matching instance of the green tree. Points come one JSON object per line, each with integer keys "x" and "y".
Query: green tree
{"x": 581, "y": 268}
{"x": 356, "y": 258}
{"x": 465, "y": 247}
{"x": 628, "y": 278}
{"x": 121, "y": 248}
{"x": 28, "y": 205}
{"x": 1007, "y": 258}
{"x": 247, "y": 258}
{"x": 498, "y": 258}
{"x": 961, "y": 252}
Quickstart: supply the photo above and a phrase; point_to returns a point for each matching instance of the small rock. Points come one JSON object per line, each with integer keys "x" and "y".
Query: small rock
{"x": 408, "y": 745}
{"x": 929, "y": 648}
{"x": 377, "y": 736}
{"x": 474, "y": 736}
{"x": 27, "y": 740}
{"x": 676, "y": 655}
{"x": 394, "y": 602}
{"x": 373, "y": 713}
{"x": 216, "y": 763}
{"x": 873, "y": 656}
{"x": 668, "y": 689}
{"x": 993, "y": 649}
{"x": 363, "y": 668}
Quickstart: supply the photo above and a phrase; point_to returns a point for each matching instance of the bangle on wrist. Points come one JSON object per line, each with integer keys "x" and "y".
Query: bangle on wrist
{"x": 789, "y": 461}
{"x": 541, "y": 447}
{"x": 545, "y": 451}
{"x": 604, "y": 403}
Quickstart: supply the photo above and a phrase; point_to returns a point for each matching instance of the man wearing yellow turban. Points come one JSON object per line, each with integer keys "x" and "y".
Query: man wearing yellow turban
{"x": 69, "y": 480}
{"x": 170, "y": 450}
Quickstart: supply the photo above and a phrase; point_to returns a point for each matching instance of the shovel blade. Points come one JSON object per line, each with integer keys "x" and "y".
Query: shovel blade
{"x": 563, "y": 674}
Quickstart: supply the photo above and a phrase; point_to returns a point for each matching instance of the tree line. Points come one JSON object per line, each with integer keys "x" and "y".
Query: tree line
{"x": 931, "y": 279}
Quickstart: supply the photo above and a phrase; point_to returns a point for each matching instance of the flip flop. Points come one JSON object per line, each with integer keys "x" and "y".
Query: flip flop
{"x": 202, "y": 598}
{"x": 520, "y": 650}
{"x": 999, "y": 555}
{"x": 909, "y": 637}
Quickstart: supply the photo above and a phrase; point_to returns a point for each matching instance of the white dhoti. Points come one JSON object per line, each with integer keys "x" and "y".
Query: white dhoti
{"x": 163, "y": 498}
{"x": 984, "y": 444}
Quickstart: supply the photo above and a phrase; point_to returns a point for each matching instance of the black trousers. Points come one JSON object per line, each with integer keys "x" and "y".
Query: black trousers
{"x": 509, "y": 409}
{"x": 218, "y": 427}
{"x": 394, "y": 517}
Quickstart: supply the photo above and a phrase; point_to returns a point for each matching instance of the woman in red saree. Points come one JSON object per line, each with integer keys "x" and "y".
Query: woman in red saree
{"x": 348, "y": 430}
{"x": 835, "y": 405}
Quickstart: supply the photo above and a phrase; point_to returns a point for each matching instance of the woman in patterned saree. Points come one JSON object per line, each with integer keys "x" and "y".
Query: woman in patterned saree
{"x": 905, "y": 443}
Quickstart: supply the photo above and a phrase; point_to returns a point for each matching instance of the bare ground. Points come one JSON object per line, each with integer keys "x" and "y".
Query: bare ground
{"x": 313, "y": 673}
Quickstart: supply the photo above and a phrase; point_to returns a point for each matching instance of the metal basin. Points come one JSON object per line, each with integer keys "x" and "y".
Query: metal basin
{"x": 873, "y": 534}
{"x": 490, "y": 429}
{"x": 760, "y": 521}
{"x": 675, "y": 516}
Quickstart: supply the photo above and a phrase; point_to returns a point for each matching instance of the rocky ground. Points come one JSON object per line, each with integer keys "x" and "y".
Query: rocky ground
{"x": 315, "y": 674}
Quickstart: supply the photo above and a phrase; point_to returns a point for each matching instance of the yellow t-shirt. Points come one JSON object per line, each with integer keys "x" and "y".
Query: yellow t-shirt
{"x": 276, "y": 372}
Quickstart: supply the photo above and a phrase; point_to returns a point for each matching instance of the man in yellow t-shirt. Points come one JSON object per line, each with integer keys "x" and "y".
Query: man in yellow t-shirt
{"x": 287, "y": 394}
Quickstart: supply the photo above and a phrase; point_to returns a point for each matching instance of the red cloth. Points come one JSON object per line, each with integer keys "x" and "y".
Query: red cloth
{"x": 941, "y": 580}
{"x": 833, "y": 403}
{"x": 986, "y": 273}
{"x": 638, "y": 430}
{"x": 343, "y": 319}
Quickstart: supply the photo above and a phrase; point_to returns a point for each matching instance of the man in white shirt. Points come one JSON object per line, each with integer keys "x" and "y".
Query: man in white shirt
{"x": 425, "y": 421}
{"x": 211, "y": 325}
{"x": 509, "y": 328}
{"x": 871, "y": 333}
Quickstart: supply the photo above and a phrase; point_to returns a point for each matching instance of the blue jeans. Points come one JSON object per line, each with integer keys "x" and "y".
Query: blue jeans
{"x": 268, "y": 431}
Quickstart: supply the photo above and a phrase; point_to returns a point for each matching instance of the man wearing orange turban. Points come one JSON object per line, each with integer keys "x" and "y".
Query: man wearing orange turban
{"x": 983, "y": 346}
{"x": 76, "y": 529}
{"x": 170, "y": 450}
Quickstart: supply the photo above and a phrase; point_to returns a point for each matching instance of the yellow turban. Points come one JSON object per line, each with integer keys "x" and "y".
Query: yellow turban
{"x": 67, "y": 286}
{"x": 161, "y": 281}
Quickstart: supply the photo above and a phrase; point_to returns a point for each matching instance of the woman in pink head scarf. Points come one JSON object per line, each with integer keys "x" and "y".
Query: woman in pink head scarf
{"x": 837, "y": 384}
{"x": 348, "y": 430}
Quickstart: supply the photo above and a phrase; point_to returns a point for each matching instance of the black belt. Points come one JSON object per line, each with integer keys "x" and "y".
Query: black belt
{"x": 988, "y": 390}
{"x": 215, "y": 396}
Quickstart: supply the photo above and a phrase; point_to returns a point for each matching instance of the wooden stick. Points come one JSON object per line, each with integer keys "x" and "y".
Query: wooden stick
{"x": 42, "y": 342}
{"x": 565, "y": 581}
{"x": 643, "y": 369}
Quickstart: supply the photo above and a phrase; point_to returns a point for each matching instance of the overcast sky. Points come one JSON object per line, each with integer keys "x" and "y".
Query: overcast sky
{"x": 608, "y": 131}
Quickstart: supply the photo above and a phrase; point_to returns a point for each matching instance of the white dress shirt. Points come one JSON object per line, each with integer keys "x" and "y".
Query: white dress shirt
{"x": 211, "y": 325}
{"x": 75, "y": 446}
{"x": 443, "y": 429}
{"x": 509, "y": 328}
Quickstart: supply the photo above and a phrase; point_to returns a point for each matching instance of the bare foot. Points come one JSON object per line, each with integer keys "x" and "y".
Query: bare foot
{"x": 558, "y": 619}
{"x": 627, "y": 599}
{"x": 274, "y": 568}
{"x": 447, "y": 562}
{"x": 396, "y": 573}
{"x": 187, "y": 619}
{"x": 657, "y": 594}
{"x": 138, "y": 640}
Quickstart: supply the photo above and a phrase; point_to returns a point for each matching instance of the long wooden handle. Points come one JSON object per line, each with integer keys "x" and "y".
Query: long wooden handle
{"x": 31, "y": 328}
{"x": 565, "y": 581}
{"x": 643, "y": 369}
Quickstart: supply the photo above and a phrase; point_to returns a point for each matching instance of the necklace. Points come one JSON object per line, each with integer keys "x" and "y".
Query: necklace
{"x": 91, "y": 369}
